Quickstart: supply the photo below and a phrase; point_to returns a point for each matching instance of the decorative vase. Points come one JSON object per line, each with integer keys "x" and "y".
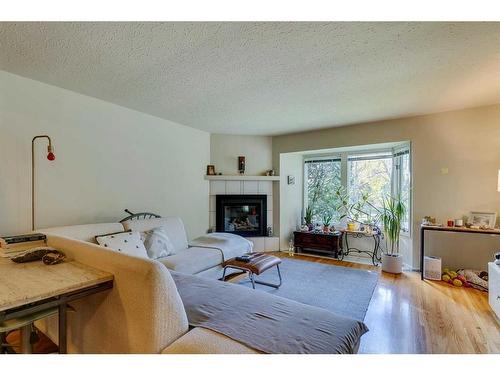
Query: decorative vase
{"x": 310, "y": 226}
{"x": 392, "y": 263}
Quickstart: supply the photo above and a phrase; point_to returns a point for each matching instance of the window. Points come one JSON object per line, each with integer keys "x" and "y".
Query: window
{"x": 402, "y": 182}
{"x": 323, "y": 177}
{"x": 369, "y": 174}
{"x": 377, "y": 174}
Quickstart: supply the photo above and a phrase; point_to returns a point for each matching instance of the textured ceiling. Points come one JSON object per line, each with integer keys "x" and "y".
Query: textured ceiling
{"x": 264, "y": 78}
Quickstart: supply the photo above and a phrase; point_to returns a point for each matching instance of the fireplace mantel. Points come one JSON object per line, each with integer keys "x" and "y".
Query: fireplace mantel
{"x": 241, "y": 178}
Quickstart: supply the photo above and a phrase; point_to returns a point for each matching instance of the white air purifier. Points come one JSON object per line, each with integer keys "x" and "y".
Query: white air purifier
{"x": 432, "y": 268}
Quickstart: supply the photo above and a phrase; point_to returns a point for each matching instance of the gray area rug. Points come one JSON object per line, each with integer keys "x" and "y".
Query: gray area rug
{"x": 342, "y": 290}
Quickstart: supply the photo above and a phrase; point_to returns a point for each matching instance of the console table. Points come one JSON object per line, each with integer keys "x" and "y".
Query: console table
{"x": 374, "y": 253}
{"x": 327, "y": 243}
{"x": 425, "y": 228}
{"x": 30, "y": 289}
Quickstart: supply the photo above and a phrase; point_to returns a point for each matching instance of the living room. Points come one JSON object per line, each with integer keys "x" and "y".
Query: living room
{"x": 249, "y": 187}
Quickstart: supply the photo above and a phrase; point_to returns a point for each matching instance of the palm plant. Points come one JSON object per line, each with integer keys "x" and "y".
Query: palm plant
{"x": 391, "y": 216}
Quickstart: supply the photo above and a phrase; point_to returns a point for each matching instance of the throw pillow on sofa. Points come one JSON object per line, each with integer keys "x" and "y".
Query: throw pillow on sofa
{"x": 125, "y": 242}
{"x": 157, "y": 243}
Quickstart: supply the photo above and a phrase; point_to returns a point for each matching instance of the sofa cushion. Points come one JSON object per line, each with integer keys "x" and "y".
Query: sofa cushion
{"x": 85, "y": 232}
{"x": 157, "y": 243}
{"x": 173, "y": 226}
{"x": 124, "y": 242}
{"x": 193, "y": 260}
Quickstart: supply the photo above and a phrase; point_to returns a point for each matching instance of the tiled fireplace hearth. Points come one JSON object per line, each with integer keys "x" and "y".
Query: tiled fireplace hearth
{"x": 240, "y": 220}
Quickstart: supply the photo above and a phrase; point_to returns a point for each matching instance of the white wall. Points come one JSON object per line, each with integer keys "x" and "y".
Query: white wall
{"x": 291, "y": 196}
{"x": 107, "y": 158}
{"x": 225, "y": 149}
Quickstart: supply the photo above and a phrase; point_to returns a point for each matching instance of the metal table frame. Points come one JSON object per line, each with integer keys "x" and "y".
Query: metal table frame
{"x": 424, "y": 228}
{"x": 251, "y": 276}
{"x": 61, "y": 302}
{"x": 374, "y": 254}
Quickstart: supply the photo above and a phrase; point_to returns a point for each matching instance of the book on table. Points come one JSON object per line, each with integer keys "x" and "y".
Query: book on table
{"x": 15, "y": 245}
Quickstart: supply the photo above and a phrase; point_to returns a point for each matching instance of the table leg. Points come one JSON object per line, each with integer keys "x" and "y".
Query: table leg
{"x": 269, "y": 284}
{"x": 62, "y": 328}
{"x": 422, "y": 248}
{"x": 252, "y": 278}
{"x": 26, "y": 347}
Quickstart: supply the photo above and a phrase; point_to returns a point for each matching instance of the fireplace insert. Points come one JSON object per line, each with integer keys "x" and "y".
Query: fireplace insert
{"x": 245, "y": 215}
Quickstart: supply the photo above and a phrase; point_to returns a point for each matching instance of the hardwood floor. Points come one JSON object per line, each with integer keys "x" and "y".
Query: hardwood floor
{"x": 407, "y": 315}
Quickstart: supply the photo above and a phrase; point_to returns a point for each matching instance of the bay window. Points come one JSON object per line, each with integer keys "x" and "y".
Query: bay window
{"x": 377, "y": 174}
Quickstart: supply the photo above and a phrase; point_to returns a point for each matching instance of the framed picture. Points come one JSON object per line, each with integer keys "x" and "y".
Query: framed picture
{"x": 483, "y": 219}
{"x": 211, "y": 170}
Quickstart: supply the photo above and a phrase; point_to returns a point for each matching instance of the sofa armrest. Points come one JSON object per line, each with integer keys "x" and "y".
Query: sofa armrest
{"x": 143, "y": 313}
{"x": 206, "y": 341}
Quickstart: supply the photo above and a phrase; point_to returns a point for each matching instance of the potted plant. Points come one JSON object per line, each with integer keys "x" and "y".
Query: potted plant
{"x": 308, "y": 218}
{"x": 327, "y": 219}
{"x": 391, "y": 216}
{"x": 350, "y": 211}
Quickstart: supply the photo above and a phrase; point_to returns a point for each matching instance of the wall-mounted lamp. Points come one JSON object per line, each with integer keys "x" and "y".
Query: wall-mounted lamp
{"x": 50, "y": 157}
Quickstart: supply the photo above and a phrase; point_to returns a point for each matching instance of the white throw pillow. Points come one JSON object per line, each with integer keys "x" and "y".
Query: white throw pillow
{"x": 125, "y": 242}
{"x": 157, "y": 243}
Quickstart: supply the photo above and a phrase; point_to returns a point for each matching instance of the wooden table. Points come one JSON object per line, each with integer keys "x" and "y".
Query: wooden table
{"x": 424, "y": 228}
{"x": 28, "y": 288}
{"x": 328, "y": 243}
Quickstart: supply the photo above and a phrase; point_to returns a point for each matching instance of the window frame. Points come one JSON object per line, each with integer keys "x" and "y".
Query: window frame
{"x": 396, "y": 173}
{"x": 311, "y": 158}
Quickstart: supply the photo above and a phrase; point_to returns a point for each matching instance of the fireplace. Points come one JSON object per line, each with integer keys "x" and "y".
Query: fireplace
{"x": 245, "y": 215}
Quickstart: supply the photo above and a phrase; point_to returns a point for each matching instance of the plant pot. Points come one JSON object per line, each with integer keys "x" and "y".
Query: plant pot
{"x": 392, "y": 263}
{"x": 326, "y": 229}
{"x": 310, "y": 226}
{"x": 352, "y": 226}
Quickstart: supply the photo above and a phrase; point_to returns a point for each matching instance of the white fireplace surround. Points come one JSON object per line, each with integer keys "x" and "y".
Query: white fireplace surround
{"x": 245, "y": 186}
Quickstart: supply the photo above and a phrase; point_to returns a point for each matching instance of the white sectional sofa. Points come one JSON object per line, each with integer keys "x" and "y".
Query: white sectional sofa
{"x": 144, "y": 312}
{"x": 192, "y": 260}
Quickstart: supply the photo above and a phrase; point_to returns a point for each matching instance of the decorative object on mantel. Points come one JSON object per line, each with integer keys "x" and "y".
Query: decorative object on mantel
{"x": 270, "y": 172}
{"x": 50, "y": 157}
{"x": 241, "y": 164}
{"x": 211, "y": 170}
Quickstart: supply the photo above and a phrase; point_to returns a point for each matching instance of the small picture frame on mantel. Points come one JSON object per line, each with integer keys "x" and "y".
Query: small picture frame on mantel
{"x": 211, "y": 170}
